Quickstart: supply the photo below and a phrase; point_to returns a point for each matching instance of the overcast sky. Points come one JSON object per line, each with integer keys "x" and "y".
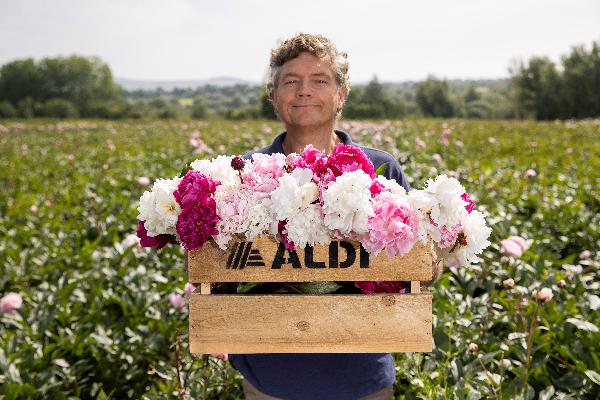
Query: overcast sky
{"x": 396, "y": 40}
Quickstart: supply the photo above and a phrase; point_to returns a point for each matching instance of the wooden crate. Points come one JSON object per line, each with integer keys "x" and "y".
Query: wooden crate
{"x": 297, "y": 323}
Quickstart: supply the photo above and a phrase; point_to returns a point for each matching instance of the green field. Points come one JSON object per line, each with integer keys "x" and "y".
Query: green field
{"x": 96, "y": 321}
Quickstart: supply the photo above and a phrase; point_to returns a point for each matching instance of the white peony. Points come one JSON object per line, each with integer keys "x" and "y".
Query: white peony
{"x": 261, "y": 220}
{"x": 391, "y": 184}
{"x": 449, "y": 208}
{"x": 159, "y": 209}
{"x": 218, "y": 169}
{"x": 307, "y": 227}
{"x": 476, "y": 234}
{"x": 347, "y": 203}
{"x": 295, "y": 192}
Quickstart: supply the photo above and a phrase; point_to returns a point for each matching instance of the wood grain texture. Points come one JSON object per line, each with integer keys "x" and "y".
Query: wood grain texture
{"x": 262, "y": 260}
{"x": 239, "y": 324}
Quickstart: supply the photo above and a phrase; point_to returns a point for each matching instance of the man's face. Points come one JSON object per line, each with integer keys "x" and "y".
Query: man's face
{"x": 306, "y": 93}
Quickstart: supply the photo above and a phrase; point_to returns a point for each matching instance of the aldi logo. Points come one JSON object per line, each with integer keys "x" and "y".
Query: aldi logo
{"x": 243, "y": 255}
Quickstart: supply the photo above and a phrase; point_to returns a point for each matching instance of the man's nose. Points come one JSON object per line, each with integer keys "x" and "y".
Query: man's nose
{"x": 304, "y": 89}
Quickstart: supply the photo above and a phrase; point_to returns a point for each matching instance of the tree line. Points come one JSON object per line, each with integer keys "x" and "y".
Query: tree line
{"x": 75, "y": 86}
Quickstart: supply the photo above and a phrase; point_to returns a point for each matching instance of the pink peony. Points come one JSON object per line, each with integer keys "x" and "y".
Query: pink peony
{"x": 393, "y": 227}
{"x": 543, "y": 295}
{"x": 312, "y": 159}
{"x": 10, "y": 302}
{"x": 189, "y": 289}
{"x": 176, "y": 300}
{"x": 383, "y": 287}
{"x": 144, "y": 180}
{"x": 449, "y": 236}
{"x": 514, "y": 246}
{"x": 264, "y": 172}
{"x": 198, "y": 219}
{"x": 157, "y": 242}
{"x": 347, "y": 158}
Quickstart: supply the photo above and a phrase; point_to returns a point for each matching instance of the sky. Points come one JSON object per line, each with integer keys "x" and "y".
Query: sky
{"x": 394, "y": 39}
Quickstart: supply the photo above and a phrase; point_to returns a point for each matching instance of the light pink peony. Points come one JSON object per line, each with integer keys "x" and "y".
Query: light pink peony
{"x": 189, "y": 289}
{"x": 448, "y": 236}
{"x": 514, "y": 246}
{"x": 543, "y": 295}
{"x": 393, "y": 227}
{"x": 508, "y": 283}
{"x": 10, "y": 302}
{"x": 144, "y": 180}
{"x": 585, "y": 254}
{"x": 176, "y": 300}
{"x": 263, "y": 173}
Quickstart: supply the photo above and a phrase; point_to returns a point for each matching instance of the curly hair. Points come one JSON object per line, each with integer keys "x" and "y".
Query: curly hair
{"x": 318, "y": 46}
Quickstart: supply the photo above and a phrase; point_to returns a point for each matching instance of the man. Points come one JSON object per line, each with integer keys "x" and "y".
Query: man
{"x": 308, "y": 88}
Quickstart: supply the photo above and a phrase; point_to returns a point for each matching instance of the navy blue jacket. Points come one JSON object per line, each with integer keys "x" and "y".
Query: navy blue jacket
{"x": 330, "y": 376}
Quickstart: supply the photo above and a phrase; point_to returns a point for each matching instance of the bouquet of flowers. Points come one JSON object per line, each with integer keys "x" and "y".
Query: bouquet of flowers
{"x": 307, "y": 199}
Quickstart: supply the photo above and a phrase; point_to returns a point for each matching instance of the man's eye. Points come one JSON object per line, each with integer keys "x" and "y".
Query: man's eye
{"x": 322, "y": 82}
{"x": 291, "y": 81}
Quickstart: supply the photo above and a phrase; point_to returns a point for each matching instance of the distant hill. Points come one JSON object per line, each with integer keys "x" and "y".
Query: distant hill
{"x": 136, "y": 84}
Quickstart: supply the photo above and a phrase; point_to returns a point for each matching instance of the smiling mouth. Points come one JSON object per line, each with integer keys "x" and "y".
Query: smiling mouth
{"x": 307, "y": 105}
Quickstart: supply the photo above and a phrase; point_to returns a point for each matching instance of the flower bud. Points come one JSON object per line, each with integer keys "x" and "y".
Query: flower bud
{"x": 508, "y": 283}
{"x": 237, "y": 163}
{"x": 584, "y": 255}
{"x": 562, "y": 284}
{"x": 473, "y": 347}
{"x": 543, "y": 295}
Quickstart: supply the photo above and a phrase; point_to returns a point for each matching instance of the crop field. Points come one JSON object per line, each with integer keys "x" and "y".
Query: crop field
{"x": 97, "y": 319}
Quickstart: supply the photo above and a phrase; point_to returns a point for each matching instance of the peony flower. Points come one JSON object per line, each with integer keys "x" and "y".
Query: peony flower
{"x": 264, "y": 172}
{"x": 130, "y": 240}
{"x": 347, "y": 158}
{"x": 470, "y": 205}
{"x": 544, "y": 295}
{"x": 529, "y": 173}
{"x": 473, "y": 347}
{"x": 295, "y": 192}
{"x": 347, "y": 203}
{"x": 144, "y": 180}
{"x": 472, "y": 240}
{"x": 261, "y": 220}
{"x": 561, "y": 284}
{"x": 176, "y": 300}
{"x": 10, "y": 302}
{"x": 393, "y": 226}
{"x": 158, "y": 241}
{"x": 237, "y": 163}
{"x": 514, "y": 246}
{"x": 390, "y": 185}
{"x": 307, "y": 228}
{"x": 585, "y": 254}
{"x": 312, "y": 159}
{"x": 508, "y": 283}
{"x": 218, "y": 169}
{"x": 158, "y": 207}
{"x": 189, "y": 289}
{"x": 383, "y": 287}
{"x": 33, "y": 209}
{"x": 198, "y": 218}
{"x": 282, "y": 235}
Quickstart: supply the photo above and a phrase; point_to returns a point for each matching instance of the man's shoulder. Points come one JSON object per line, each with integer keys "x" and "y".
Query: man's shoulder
{"x": 377, "y": 156}
{"x": 265, "y": 150}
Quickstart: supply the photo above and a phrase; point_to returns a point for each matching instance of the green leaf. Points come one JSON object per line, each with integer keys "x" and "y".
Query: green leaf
{"x": 381, "y": 169}
{"x": 245, "y": 287}
{"x": 317, "y": 287}
{"x": 185, "y": 169}
{"x": 583, "y": 325}
{"x": 593, "y": 376}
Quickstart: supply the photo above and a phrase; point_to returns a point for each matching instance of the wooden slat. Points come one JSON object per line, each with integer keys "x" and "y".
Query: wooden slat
{"x": 240, "y": 324}
{"x": 265, "y": 260}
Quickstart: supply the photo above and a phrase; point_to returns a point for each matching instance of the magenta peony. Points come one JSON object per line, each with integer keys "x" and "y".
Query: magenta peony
{"x": 282, "y": 233}
{"x": 312, "y": 159}
{"x": 383, "y": 287}
{"x": 198, "y": 219}
{"x": 347, "y": 158}
{"x": 157, "y": 242}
